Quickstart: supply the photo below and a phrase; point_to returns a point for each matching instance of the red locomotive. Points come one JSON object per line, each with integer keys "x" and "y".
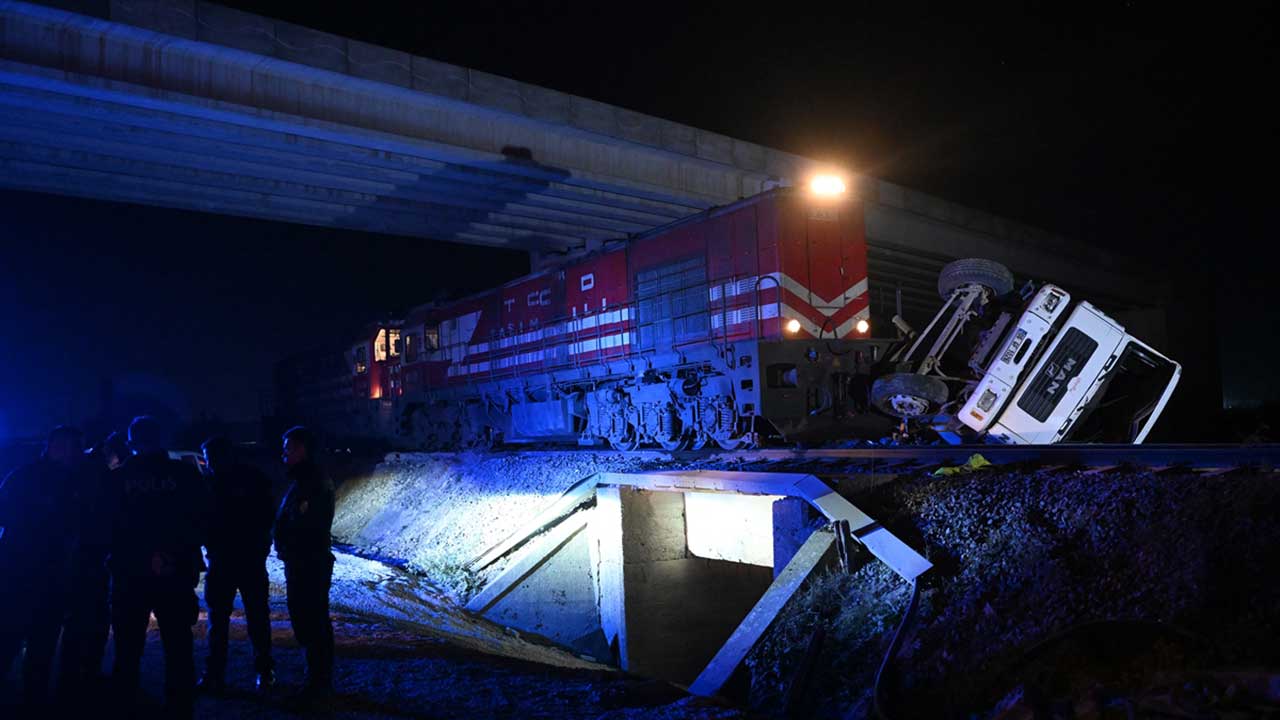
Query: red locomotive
{"x": 743, "y": 323}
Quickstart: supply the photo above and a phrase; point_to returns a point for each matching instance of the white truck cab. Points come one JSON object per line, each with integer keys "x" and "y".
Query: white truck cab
{"x": 1062, "y": 372}
{"x": 1093, "y": 383}
{"x": 1001, "y": 379}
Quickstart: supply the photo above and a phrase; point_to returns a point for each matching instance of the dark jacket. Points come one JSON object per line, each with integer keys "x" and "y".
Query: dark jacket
{"x": 243, "y": 513}
{"x": 161, "y": 518}
{"x": 306, "y": 515}
{"x": 38, "y": 513}
{"x": 96, "y": 496}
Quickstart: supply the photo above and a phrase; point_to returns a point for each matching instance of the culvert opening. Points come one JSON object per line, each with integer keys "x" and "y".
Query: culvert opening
{"x": 694, "y": 564}
{"x": 673, "y": 574}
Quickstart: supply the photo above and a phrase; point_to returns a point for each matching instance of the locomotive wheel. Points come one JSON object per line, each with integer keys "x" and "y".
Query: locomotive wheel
{"x": 482, "y": 440}
{"x": 732, "y": 443}
{"x": 740, "y": 438}
{"x": 446, "y": 438}
{"x": 908, "y": 395}
{"x": 626, "y": 443}
{"x": 699, "y": 441}
{"x": 673, "y": 444}
{"x": 420, "y": 429}
{"x": 675, "y": 440}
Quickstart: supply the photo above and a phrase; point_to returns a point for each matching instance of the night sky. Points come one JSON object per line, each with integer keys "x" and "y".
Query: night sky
{"x": 1118, "y": 124}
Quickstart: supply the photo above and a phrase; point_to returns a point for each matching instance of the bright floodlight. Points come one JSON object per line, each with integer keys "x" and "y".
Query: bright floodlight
{"x": 793, "y": 326}
{"x": 862, "y": 327}
{"x": 827, "y": 185}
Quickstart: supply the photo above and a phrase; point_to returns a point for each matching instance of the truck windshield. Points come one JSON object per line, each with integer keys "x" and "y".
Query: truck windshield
{"x": 1127, "y": 399}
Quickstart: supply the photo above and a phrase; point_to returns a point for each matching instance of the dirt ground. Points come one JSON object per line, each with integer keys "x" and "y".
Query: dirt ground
{"x": 403, "y": 651}
{"x": 1054, "y": 594}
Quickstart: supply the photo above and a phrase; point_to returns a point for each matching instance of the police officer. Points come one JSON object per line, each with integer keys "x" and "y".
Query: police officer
{"x": 302, "y": 543}
{"x": 37, "y": 520}
{"x": 88, "y": 619}
{"x": 238, "y": 545}
{"x": 155, "y": 563}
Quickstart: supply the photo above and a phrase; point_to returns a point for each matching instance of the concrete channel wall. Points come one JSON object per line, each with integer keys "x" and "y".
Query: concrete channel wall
{"x": 438, "y": 512}
{"x": 664, "y": 571}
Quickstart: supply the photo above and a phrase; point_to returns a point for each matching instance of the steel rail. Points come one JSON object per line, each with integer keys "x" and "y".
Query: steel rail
{"x": 1153, "y": 457}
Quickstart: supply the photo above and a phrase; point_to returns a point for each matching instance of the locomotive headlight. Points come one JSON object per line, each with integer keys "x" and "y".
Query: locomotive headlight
{"x": 793, "y": 326}
{"x": 862, "y": 326}
{"x": 827, "y": 185}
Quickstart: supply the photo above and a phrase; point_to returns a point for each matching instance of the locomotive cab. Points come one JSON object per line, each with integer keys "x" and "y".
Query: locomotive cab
{"x": 375, "y": 361}
{"x": 763, "y": 310}
{"x": 374, "y": 365}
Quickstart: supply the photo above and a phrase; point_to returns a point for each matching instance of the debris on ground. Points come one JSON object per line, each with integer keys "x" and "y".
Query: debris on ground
{"x": 975, "y": 462}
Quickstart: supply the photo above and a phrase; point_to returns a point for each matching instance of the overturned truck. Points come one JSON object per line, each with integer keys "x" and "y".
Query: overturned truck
{"x": 1032, "y": 366}
{"x": 745, "y": 325}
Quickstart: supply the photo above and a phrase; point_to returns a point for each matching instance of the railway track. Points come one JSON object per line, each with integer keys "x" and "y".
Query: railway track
{"x": 1205, "y": 459}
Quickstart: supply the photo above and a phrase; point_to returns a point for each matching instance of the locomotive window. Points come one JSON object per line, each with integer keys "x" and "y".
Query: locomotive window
{"x": 362, "y": 360}
{"x": 671, "y": 303}
{"x": 380, "y": 346}
{"x": 394, "y": 345}
{"x": 410, "y": 348}
{"x": 430, "y": 338}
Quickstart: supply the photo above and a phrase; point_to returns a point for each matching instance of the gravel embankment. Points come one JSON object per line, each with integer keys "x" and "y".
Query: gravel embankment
{"x": 437, "y": 512}
{"x": 1058, "y": 586}
{"x": 1062, "y": 589}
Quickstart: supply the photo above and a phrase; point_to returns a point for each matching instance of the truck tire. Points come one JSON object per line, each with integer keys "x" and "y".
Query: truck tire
{"x": 987, "y": 273}
{"x": 908, "y": 395}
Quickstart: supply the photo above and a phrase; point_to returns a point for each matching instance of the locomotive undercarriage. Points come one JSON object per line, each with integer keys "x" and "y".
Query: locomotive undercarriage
{"x": 732, "y": 396}
{"x": 689, "y": 411}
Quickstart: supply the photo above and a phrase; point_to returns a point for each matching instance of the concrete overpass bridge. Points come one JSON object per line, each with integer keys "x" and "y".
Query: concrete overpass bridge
{"x": 191, "y": 105}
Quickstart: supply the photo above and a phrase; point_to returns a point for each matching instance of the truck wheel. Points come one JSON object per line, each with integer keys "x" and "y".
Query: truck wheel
{"x": 987, "y": 273}
{"x": 908, "y": 395}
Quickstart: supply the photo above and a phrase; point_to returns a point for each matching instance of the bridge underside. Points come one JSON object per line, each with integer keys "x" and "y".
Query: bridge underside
{"x": 190, "y": 105}
{"x": 79, "y": 135}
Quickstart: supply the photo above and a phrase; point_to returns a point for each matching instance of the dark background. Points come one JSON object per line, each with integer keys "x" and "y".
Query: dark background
{"x": 1125, "y": 124}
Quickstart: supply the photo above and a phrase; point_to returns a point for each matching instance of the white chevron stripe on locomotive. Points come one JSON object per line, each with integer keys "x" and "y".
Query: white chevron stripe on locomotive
{"x": 785, "y": 281}
{"x": 770, "y": 310}
{"x": 841, "y": 330}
